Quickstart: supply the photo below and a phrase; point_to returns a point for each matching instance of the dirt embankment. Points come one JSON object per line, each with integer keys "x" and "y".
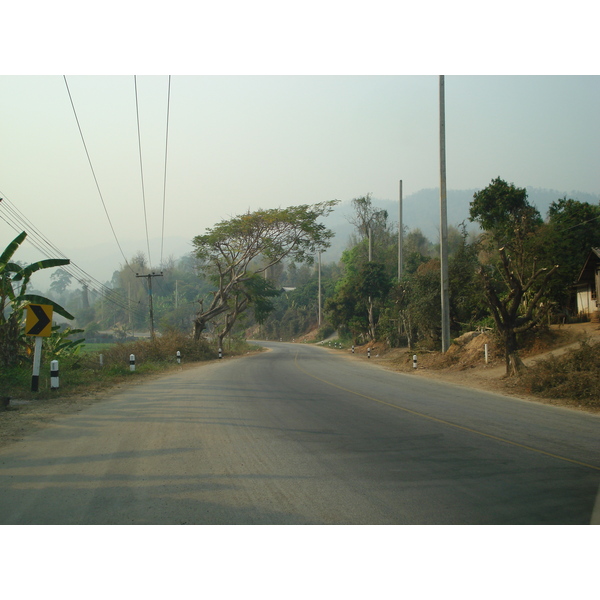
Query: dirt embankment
{"x": 465, "y": 362}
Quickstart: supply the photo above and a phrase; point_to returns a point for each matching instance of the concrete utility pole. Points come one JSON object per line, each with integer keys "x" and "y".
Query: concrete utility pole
{"x": 149, "y": 277}
{"x": 400, "y": 234}
{"x": 319, "y": 289}
{"x": 445, "y": 287}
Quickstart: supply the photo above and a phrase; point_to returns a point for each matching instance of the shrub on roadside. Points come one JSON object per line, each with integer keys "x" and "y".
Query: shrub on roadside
{"x": 574, "y": 376}
{"x": 161, "y": 349}
{"x": 82, "y": 373}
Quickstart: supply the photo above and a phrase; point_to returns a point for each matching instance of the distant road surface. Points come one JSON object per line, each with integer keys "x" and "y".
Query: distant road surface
{"x": 305, "y": 435}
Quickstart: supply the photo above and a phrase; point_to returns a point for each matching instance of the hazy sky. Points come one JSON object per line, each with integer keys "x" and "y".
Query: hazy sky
{"x": 269, "y": 139}
{"x": 239, "y": 143}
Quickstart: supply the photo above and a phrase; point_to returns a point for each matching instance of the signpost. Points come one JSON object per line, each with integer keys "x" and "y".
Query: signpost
{"x": 39, "y": 324}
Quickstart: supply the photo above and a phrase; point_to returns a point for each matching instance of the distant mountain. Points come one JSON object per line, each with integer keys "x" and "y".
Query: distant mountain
{"x": 421, "y": 210}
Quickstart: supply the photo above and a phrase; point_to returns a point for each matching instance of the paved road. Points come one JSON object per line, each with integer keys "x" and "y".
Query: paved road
{"x": 303, "y": 435}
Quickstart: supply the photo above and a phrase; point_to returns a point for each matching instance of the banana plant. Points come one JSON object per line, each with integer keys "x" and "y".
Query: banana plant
{"x": 58, "y": 345}
{"x": 14, "y": 298}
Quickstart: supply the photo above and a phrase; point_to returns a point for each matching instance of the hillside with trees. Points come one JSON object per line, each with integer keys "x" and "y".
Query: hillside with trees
{"x": 511, "y": 270}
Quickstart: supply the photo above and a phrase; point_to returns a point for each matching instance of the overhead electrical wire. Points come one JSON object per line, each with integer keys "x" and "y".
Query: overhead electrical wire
{"x": 75, "y": 271}
{"x": 17, "y": 221}
{"x": 162, "y": 234}
{"x": 137, "y": 112}
{"x": 162, "y": 237}
{"x": 94, "y": 173}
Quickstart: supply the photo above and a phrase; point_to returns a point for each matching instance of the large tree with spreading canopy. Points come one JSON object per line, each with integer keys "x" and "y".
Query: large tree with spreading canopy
{"x": 233, "y": 252}
{"x": 514, "y": 282}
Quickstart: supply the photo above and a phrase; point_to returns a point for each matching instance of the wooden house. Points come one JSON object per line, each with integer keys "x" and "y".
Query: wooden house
{"x": 587, "y": 286}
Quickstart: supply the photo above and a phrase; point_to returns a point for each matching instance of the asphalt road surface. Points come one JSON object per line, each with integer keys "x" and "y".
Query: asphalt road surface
{"x": 305, "y": 435}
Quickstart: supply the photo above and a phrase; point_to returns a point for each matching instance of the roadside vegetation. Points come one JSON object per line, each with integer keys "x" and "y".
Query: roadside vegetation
{"x": 573, "y": 377}
{"x": 81, "y": 372}
{"x": 254, "y": 277}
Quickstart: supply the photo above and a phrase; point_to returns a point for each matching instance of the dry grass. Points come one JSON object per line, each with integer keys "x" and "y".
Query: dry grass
{"x": 573, "y": 376}
{"x": 569, "y": 379}
{"x": 83, "y": 373}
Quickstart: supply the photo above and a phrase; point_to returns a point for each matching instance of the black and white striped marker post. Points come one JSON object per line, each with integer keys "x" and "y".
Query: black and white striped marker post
{"x": 132, "y": 362}
{"x": 368, "y": 352}
{"x": 414, "y": 361}
{"x": 353, "y": 349}
{"x": 54, "y": 375}
{"x": 178, "y": 357}
{"x": 220, "y": 352}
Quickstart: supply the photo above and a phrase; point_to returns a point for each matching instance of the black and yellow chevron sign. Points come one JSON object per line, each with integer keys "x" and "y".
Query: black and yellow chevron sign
{"x": 39, "y": 320}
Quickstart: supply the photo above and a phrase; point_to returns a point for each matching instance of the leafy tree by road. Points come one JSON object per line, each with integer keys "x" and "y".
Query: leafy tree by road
{"x": 236, "y": 250}
{"x": 514, "y": 284}
{"x": 572, "y": 228}
{"x": 256, "y": 293}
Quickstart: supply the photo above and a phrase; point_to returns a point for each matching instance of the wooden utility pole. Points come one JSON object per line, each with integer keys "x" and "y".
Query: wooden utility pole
{"x": 149, "y": 276}
{"x": 400, "y": 234}
{"x": 319, "y": 288}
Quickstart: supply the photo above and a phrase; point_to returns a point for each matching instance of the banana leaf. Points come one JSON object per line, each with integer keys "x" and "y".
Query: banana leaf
{"x": 35, "y": 299}
{"x": 11, "y": 249}
{"x": 41, "y": 264}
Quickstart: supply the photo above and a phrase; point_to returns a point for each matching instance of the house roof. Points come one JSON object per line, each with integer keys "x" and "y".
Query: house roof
{"x": 589, "y": 268}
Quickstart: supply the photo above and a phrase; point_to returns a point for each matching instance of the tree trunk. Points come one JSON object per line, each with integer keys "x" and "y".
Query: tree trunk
{"x": 199, "y": 325}
{"x": 408, "y": 329}
{"x": 514, "y": 364}
{"x": 371, "y": 320}
{"x": 220, "y": 337}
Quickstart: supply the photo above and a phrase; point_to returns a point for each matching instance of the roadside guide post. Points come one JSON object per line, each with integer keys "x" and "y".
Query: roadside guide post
{"x": 414, "y": 361}
{"x": 54, "y": 382}
{"x": 368, "y": 352}
{"x": 132, "y": 362}
{"x": 39, "y": 324}
{"x": 178, "y": 357}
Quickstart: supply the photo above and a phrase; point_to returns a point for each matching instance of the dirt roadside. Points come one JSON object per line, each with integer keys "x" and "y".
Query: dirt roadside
{"x": 466, "y": 366}
{"x": 27, "y": 416}
{"x": 468, "y": 370}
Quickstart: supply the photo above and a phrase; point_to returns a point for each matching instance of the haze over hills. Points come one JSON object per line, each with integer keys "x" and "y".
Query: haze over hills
{"x": 420, "y": 210}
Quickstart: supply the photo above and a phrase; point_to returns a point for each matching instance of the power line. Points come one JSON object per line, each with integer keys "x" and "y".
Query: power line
{"x": 19, "y": 222}
{"x": 93, "y": 172}
{"x": 579, "y": 224}
{"x": 162, "y": 237}
{"x": 137, "y": 112}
